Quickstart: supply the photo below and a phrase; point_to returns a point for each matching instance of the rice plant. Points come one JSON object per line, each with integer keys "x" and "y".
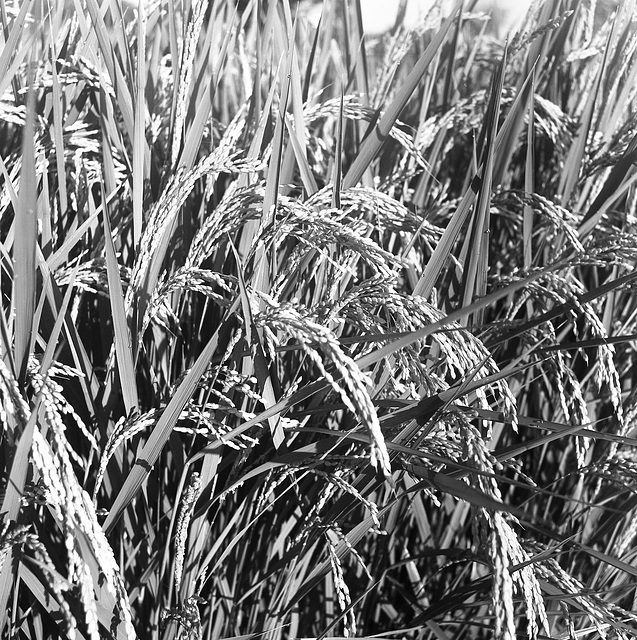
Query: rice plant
{"x": 309, "y": 333}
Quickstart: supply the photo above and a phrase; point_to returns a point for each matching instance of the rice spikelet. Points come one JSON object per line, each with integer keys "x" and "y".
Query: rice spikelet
{"x": 342, "y": 591}
{"x": 186, "y": 509}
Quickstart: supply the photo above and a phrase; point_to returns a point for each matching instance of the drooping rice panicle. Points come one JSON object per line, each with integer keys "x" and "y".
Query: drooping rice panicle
{"x": 353, "y": 386}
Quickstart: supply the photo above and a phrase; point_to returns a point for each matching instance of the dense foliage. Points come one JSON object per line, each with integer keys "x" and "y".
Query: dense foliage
{"x": 307, "y": 334}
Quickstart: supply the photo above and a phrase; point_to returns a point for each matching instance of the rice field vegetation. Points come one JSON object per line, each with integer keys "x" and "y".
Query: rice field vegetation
{"x": 307, "y": 333}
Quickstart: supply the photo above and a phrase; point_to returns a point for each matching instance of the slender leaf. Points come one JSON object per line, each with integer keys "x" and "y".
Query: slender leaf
{"x": 123, "y": 346}
{"x": 376, "y": 139}
{"x": 26, "y": 240}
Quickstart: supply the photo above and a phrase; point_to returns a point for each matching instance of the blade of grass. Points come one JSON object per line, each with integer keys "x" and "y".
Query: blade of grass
{"x": 575, "y": 158}
{"x": 475, "y": 272}
{"x": 610, "y": 189}
{"x": 58, "y": 128}
{"x": 7, "y": 338}
{"x": 11, "y": 48}
{"x": 115, "y": 72}
{"x": 262, "y": 274}
{"x": 457, "y": 488}
{"x": 441, "y": 253}
{"x": 337, "y": 171}
{"x": 512, "y": 128}
{"x": 374, "y": 142}
{"x": 451, "y": 66}
{"x": 529, "y": 180}
{"x": 295, "y": 101}
{"x": 26, "y": 239}
{"x": 52, "y": 344}
{"x": 123, "y": 346}
{"x": 585, "y": 344}
{"x": 175, "y": 57}
{"x": 307, "y": 82}
{"x": 258, "y": 140}
{"x": 557, "y": 427}
{"x": 140, "y": 147}
{"x": 307, "y": 178}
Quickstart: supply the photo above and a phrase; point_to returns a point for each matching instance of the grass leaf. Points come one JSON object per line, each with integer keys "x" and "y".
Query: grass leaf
{"x": 376, "y": 139}
{"x": 26, "y": 240}
{"x": 123, "y": 346}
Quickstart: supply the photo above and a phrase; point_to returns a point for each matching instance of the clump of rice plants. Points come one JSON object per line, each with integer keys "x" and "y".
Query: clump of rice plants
{"x": 307, "y": 334}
